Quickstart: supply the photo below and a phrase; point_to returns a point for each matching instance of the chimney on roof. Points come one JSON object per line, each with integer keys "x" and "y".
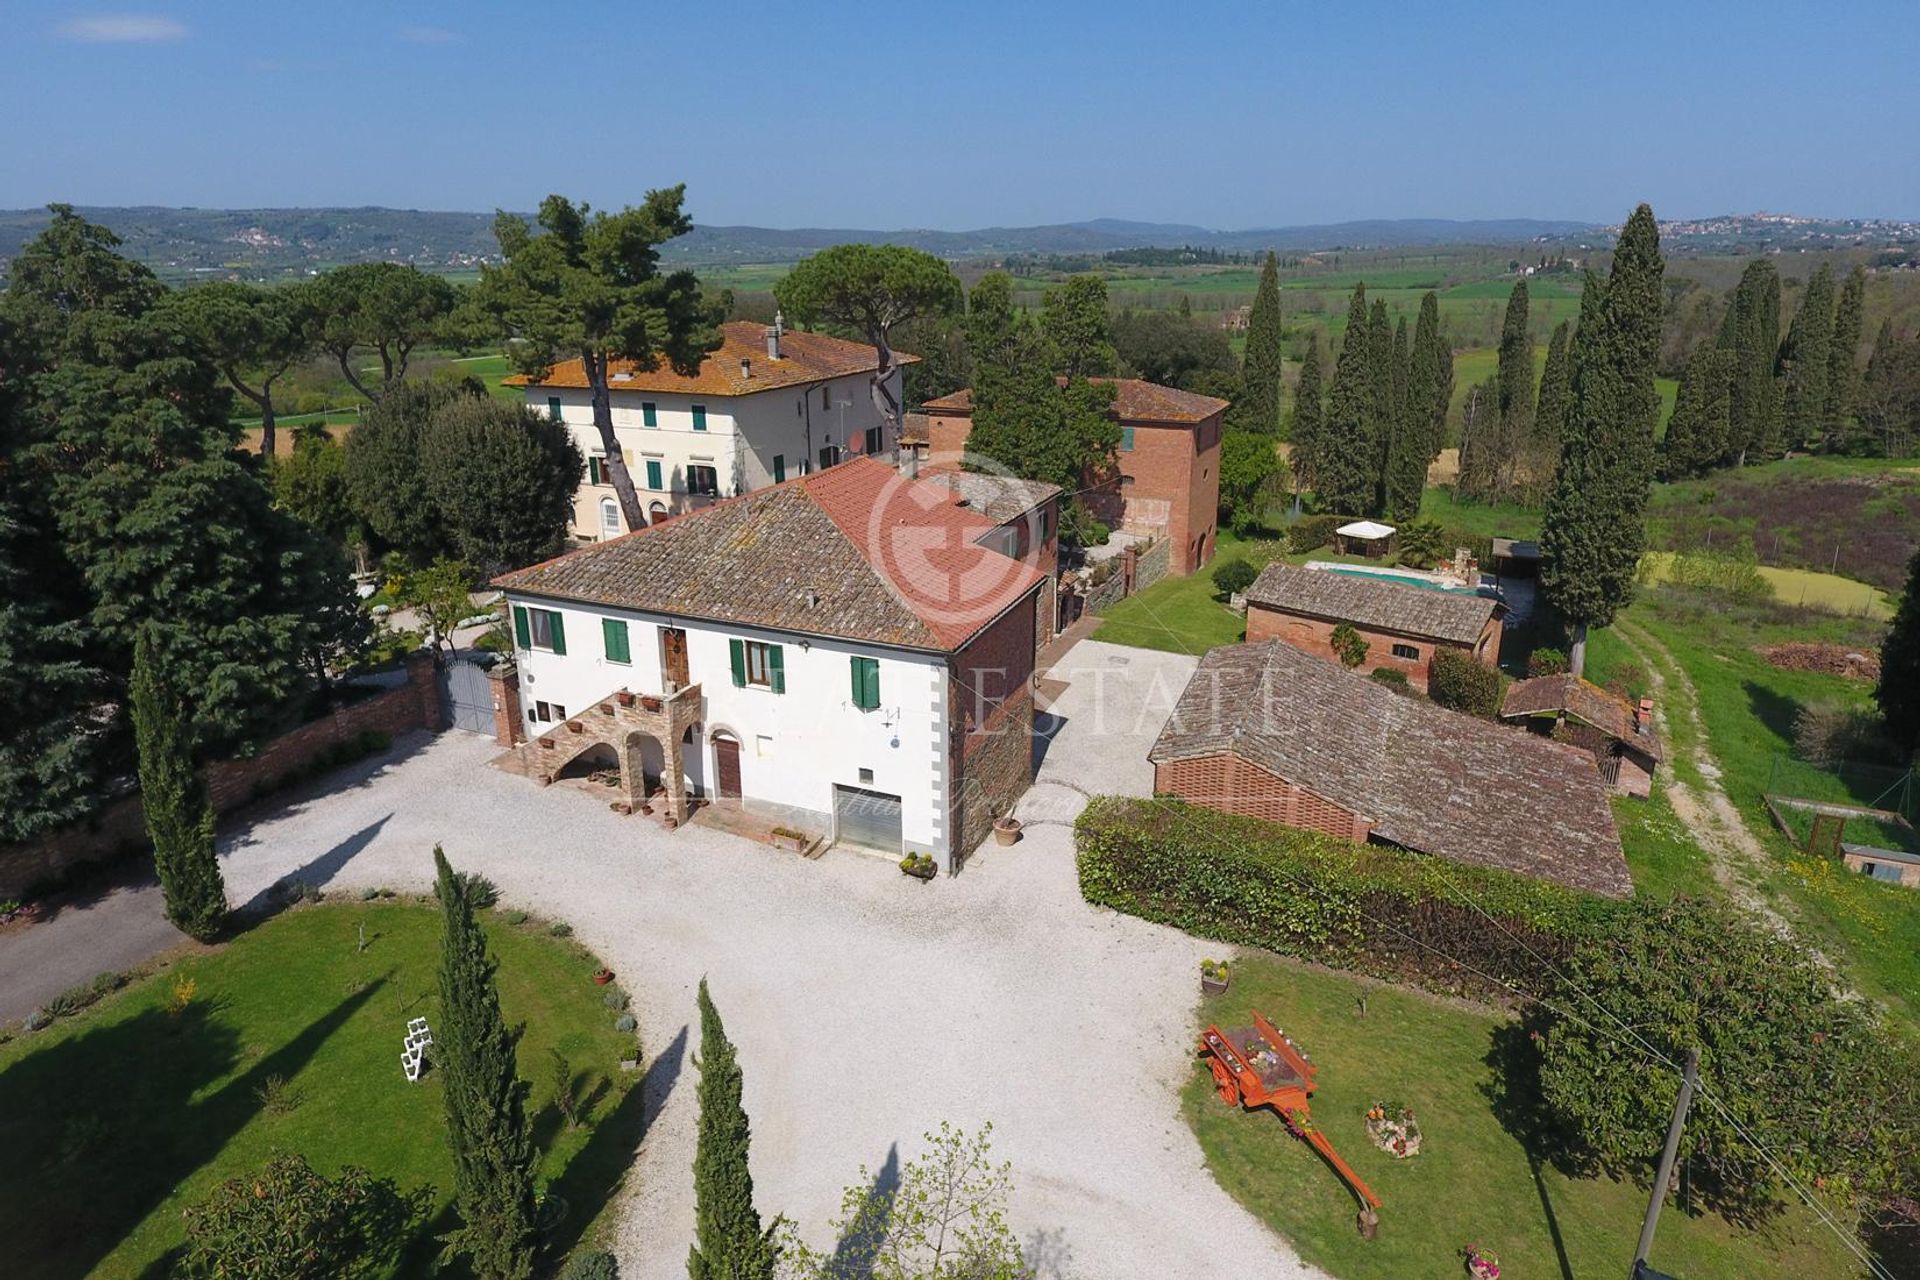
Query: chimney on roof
{"x": 813, "y": 598}
{"x": 774, "y": 330}
{"x": 1643, "y": 717}
{"x": 746, "y": 367}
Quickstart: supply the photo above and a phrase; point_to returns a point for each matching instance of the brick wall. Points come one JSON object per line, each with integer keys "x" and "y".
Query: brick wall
{"x": 1315, "y": 636}
{"x": 1171, "y": 486}
{"x": 994, "y": 772}
{"x": 1153, "y": 564}
{"x": 1233, "y": 785}
{"x": 230, "y": 783}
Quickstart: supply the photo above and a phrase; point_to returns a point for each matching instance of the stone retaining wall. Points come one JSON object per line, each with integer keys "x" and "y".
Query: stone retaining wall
{"x": 121, "y": 826}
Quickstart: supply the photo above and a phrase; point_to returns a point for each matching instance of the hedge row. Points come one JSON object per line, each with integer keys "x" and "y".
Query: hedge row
{"x": 1370, "y": 908}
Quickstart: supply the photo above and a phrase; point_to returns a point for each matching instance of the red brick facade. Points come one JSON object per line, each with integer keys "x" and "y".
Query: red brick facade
{"x": 1315, "y": 636}
{"x": 1236, "y": 786}
{"x": 990, "y": 709}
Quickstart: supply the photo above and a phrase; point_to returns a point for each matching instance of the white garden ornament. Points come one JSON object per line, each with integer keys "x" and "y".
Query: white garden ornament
{"x": 413, "y": 1054}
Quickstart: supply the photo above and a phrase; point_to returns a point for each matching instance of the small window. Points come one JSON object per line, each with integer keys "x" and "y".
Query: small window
{"x": 596, "y": 469}
{"x": 758, "y": 664}
{"x": 542, "y": 713}
{"x": 779, "y": 468}
{"x": 1126, "y": 439}
{"x": 701, "y": 479}
{"x": 866, "y": 683}
{"x": 1406, "y": 651}
{"x": 866, "y": 775}
{"x": 559, "y": 712}
{"x": 609, "y": 518}
{"x": 654, "y": 478}
{"x": 875, "y": 440}
{"x": 763, "y": 746}
{"x": 826, "y": 398}
{"x": 614, "y": 632}
{"x": 829, "y": 456}
{"x": 699, "y": 417}
{"x": 553, "y": 407}
{"x": 649, "y": 414}
{"x": 1046, "y": 523}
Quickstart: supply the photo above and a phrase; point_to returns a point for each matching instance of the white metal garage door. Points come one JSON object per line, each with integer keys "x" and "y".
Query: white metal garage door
{"x": 867, "y": 818}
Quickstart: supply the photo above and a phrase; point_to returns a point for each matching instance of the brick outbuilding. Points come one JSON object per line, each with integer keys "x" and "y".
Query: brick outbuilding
{"x": 1402, "y": 625}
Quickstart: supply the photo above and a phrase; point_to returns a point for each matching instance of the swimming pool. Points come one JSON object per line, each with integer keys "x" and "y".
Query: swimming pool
{"x": 1405, "y": 580}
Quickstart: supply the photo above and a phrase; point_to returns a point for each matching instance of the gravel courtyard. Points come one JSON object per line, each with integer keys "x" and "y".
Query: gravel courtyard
{"x": 868, "y": 1007}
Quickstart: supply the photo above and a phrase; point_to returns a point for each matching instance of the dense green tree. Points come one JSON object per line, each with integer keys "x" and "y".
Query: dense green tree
{"x": 871, "y": 289}
{"x": 173, "y": 799}
{"x": 1556, "y": 388}
{"x": 1308, "y": 425}
{"x": 1898, "y": 691}
{"x": 944, "y": 366}
{"x": 1405, "y": 477}
{"x": 1346, "y": 476}
{"x": 591, "y": 288}
{"x": 252, "y": 334}
{"x": 1430, "y": 376}
{"x": 1515, "y": 370}
{"x": 287, "y": 1222}
{"x": 310, "y": 484}
{"x": 381, "y": 308}
{"x": 1751, "y": 331}
{"x": 1074, "y": 319}
{"x": 1887, "y": 423}
{"x": 382, "y": 464}
{"x": 1481, "y": 443}
{"x": 1805, "y": 364}
{"x": 729, "y": 1243}
{"x": 493, "y": 1152}
{"x": 1401, "y": 373}
{"x": 501, "y": 478}
{"x": 1252, "y": 479}
{"x": 1594, "y": 525}
{"x": 1696, "y": 440}
{"x": 1161, "y": 346}
{"x": 1266, "y": 345}
{"x": 1843, "y": 353}
{"x": 1593, "y": 297}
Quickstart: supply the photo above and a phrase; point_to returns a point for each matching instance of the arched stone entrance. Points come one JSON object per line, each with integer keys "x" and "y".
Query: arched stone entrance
{"x": 643, "y": 732}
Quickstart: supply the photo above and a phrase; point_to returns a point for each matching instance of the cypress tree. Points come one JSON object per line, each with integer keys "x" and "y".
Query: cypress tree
{"x": 1696, "y": 439}
{"x": 1806, "y": 362}
{"x": 1480, "y": 441}
{"x": 1380, "y": 366}
{"x": 1556, "y": 388}
{"x": 1594, "y": 526}
{"x": 1345, "y": 475}
{"x": 1430, "y": 376}
{"x": 1516, "y": 372}
{"x": 1898, "y": 691}
{"x": 493, "y": 1153}
{"x": 1751, "y": 331}
{"x": 728, "y": 1241}
{"x": 1402, "y": 371}
{"x": 1309, "y": 420}
{"x": 179, "y": 815}
{"x": 1843, "y": 374}
{"x": 1406, "y": 475}
{"x": 1265, "y": 351}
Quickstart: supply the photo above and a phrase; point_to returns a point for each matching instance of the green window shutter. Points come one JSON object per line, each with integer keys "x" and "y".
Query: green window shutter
{"x": 522, "y": 633}
{"x": 699, "y": 417}
{"x": 1126, "y": 439}
{"x": 737, "y": 650}
{"x": 779, "y": 468}
{"x": 593, "y": 470}
{"x": 649, "y": 414}
{"x": 559, "y": 632}
{"x": 615, "y": 633}
{"x": 653, "y": 474}
{"x": 866, "y": 683}
{"x": 553, "y": 407}
{"x": 776, "y": 669}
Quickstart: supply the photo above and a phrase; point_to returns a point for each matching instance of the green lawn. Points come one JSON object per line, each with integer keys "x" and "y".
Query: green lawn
{"x": 114, "y": 1121}
{"x": 1747, "y": 707}
{"x": 1183, "y": 615}
{"x": 1473, "y": 1180}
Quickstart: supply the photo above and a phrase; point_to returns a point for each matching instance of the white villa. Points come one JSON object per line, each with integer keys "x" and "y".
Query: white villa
{"x": 767, "y": 405}
{"x": 838, "y": 649}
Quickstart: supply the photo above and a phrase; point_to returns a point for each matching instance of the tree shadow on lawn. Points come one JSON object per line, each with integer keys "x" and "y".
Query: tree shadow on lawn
{"x": 102, "y": 1127}
{"x": 319, "y": 873}
{"x": 1776, "y": 711}
{"x": 599, "y": 1169}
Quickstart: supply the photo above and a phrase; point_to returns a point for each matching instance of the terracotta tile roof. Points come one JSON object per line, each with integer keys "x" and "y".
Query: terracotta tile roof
{"x": 998, "y": 498}
{"x": 1429, "y": 779}
{"x": 1584, "y": 701}
{"x": 1373, "y": 603}
{"x": 913, "y": 428}
{"x": 805, "y": 358}
{"x": 1133, "y": 401}
{"x": 856, "y": 551}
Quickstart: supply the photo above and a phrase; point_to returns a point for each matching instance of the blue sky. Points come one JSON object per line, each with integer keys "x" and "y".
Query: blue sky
{"x": 881, "y": 116}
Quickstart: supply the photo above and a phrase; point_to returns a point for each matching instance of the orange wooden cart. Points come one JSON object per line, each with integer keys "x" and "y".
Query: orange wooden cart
{"x": 1258, "y": 1066}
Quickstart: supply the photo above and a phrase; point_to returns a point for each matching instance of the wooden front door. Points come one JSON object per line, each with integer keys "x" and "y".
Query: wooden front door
{"x": 673, "y": 658}
{"x": 726, "y": 764}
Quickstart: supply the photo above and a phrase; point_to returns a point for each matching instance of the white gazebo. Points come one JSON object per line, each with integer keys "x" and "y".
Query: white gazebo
{"x": 1365, "y": 537}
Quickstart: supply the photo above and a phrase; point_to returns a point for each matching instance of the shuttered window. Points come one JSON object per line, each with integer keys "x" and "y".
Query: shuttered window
{"x": 754, "y": 663}
{"x": 699, "y": 417}
{"x": 553, "y": 407}
{"x": 649, "y": 414}
{"x": 779, "y": 468}
{"x": 594, "y": 469}
{"x": 615, "y": 633}
{"x": 539, "y": 629}
{"x": 654, "y": 480}
{"x": 521, "y": 631}
{"x": 1126, "y": 439}
{"x": 866, "y": 683}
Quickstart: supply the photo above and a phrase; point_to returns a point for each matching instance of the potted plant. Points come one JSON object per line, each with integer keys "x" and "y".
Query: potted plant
{"x": 603, "y": 977}
{"x": 1482, "y": 1264}
{"x": 624, "y": 698}
{"x": 1213, "y": 977}
{"x": 788, "y": 838}
{"x": 1006, "y": 830}
{"x": 649, "y": 702}
{"x": 574, "y": 726}
{"x": 920, "y": 866}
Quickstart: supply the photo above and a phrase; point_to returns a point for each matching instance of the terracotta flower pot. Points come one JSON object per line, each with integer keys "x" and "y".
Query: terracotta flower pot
{"x": 574, "y": 726}
{"x": 624, "y": 698}
{"x": 650, "y": 703}
{"x": 1006, "y": 830}
{"x": 603, "y": 977}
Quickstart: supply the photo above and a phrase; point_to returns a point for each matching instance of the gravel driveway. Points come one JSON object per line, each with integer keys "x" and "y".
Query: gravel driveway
{"x": 867, "y": 1006}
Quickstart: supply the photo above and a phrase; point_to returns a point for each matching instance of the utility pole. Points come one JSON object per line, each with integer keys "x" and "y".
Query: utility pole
{"x": 1641, "y": 1271}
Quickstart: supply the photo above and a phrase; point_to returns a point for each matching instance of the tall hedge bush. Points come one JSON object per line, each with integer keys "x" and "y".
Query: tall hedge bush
{"x": 1369, "y": 908}
{"x": 1461, "y": 682}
